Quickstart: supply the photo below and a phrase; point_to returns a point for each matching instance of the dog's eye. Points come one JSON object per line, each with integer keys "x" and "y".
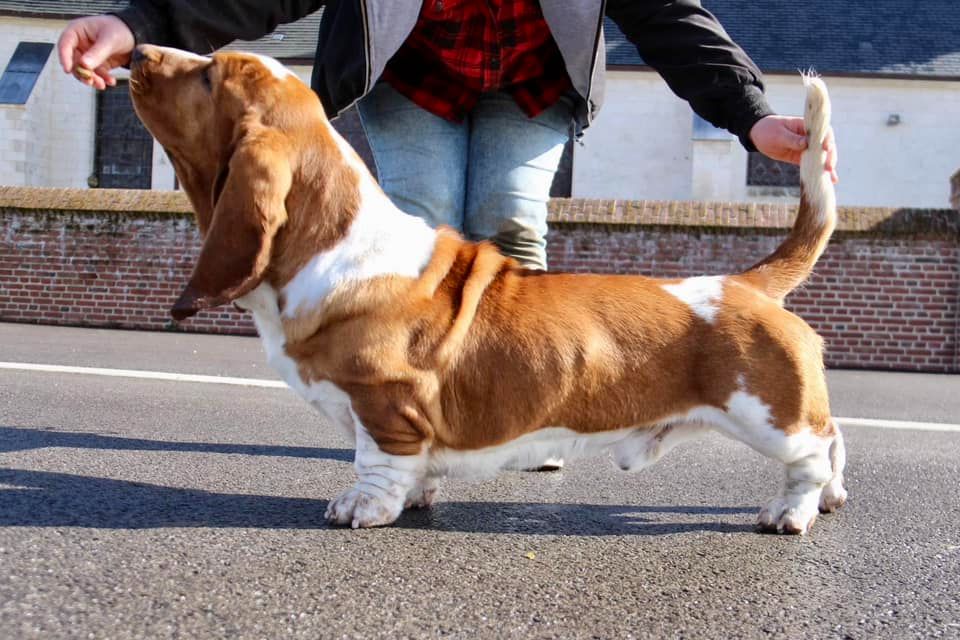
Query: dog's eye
{"x": 205, "y": 79}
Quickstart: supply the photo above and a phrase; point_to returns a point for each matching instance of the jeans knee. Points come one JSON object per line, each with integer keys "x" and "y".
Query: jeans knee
{"x": 527, "y": 244}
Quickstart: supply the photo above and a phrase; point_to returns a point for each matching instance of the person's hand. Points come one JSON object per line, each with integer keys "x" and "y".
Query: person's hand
{"x": 91, "y": 47}
{"x": 784, "y": 138}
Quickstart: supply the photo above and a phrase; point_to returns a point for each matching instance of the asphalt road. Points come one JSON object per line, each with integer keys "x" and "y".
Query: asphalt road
{"x": 154, "y": 509}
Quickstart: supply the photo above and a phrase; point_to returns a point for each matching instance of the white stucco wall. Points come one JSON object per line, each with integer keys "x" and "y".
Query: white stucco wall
{"x": 641, "y": 147}
{"x": 50, "y": 140}
{"x": 640, "y": 144}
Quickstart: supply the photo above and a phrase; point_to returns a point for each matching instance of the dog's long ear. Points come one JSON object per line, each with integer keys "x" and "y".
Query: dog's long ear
{"x": 246, "y": 215}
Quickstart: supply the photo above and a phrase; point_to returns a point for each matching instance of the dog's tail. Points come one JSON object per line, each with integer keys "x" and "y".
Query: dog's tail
{"x": 791, "y": 264}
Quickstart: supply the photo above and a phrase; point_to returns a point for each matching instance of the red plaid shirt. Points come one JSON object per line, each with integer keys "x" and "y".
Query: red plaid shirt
{"x": 460, "y": 49}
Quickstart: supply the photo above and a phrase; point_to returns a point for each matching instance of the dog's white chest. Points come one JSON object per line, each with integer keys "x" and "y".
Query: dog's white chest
{"x": 325, "y": 396}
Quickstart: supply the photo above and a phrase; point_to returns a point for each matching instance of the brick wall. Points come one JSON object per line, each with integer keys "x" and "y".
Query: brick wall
{"x": 879, "y": 303}
{"x": 884, "y": 295}
{"x": 82, "y": 260}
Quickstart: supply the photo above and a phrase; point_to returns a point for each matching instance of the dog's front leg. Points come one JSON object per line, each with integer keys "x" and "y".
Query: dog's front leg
{"x": 383, "y": 484}
{"x": 423, "y": 494}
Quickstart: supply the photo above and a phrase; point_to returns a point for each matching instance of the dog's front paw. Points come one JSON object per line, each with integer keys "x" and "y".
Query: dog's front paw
{"x": 359, "y": 509}
{"x": 782, "y": 516}
{"x": 833, "y": 495}
{"x": 422, "y": 495}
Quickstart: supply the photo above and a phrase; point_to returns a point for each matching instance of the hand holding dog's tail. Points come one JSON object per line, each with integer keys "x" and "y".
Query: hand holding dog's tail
{"x": 791, "y": 264}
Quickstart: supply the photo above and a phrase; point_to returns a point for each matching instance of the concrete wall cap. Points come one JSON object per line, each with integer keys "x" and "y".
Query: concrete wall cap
{"x": 105, "y": 200}
{"x": 562, "y": 211}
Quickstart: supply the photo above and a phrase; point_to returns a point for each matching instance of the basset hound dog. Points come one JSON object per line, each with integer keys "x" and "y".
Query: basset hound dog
{"x": 442, "y": 357}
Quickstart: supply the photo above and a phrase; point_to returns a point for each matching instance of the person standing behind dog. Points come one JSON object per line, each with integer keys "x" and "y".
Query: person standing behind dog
{"x": 467, "y": 104}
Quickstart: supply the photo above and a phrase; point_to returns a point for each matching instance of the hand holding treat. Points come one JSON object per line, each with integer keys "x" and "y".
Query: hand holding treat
{"x": 91, "y": 47}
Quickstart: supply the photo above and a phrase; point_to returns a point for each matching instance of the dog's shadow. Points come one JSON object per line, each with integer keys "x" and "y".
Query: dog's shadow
{"x": 526, "y": 518}
{"x": 30, "y": 498}
{"x": 24, "y": 439}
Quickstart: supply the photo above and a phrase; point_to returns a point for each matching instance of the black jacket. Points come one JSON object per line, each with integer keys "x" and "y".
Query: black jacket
{"x": 678, "y": 38}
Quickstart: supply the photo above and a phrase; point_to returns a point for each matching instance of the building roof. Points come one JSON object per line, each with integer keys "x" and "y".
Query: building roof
{"x": 297, "y": 40}
{"x": 862, "y": 37}
{"x": 60, "y": 8}
{"x": 292, "y": 41}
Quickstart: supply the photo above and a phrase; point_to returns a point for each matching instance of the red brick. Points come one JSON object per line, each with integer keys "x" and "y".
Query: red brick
{"x": 881, "y": 301}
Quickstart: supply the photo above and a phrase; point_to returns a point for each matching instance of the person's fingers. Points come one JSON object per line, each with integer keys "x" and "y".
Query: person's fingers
{"x": 103, "y": 72}
{"x": 99, "y": 79}
{"x": 91, "y": 47}
{"x": 87, "y": 77}
{"x": 785, "y": 139}
{"x": 99, "y": 53}
{"x": 793, "y": 140}
{"x": 830, "y": 146}
{"x": 799, "y": 143}
{"x": 795, "y": 125}
{"x": 791, "y": 133}
{"x": 83, "y": 74}
{"x": 66, "y": 46}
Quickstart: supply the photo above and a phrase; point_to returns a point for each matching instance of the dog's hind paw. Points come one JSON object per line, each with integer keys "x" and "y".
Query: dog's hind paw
{"x": 779, "y": 516}
{"x": 358, "y": 509}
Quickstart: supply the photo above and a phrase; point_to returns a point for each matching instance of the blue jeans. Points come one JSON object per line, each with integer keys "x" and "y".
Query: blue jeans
{"x": 488, "y": 177}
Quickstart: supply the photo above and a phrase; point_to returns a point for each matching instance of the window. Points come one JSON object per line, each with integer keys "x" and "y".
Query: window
{"x": 22, "y": 72}
{"x": 765, "y": 172}
{"x": 704, "y": 130}
{"x": 124, "y": 153}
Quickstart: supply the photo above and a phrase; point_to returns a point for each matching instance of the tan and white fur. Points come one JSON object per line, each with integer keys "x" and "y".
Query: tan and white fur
{"x": 442, "y": 357}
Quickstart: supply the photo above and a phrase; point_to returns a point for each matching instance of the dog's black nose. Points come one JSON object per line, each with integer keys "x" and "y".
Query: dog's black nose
{"x": 138, "y": 55}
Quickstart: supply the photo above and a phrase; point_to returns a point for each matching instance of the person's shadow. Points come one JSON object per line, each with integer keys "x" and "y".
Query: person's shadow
{"x": 48, "y": 499}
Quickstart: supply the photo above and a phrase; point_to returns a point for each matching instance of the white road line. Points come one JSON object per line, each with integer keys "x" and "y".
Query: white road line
{"x": 279, "y": 384}
{"x": 897, "y": 424}
{"x": 148, "y": 375}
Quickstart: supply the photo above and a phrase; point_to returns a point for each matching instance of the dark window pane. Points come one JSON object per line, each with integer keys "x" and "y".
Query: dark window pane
{"x": 124, "y": 156}
{"x": 21, "y": 74}
{"x": 765, "y": 172}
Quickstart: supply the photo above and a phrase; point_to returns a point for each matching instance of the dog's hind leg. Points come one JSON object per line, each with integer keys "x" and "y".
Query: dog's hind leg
{"x": 805, "y": 450}
{"x": 834, "y": 495}
{"x": 645, "y": 446}
{"x": 795, "y": 509}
